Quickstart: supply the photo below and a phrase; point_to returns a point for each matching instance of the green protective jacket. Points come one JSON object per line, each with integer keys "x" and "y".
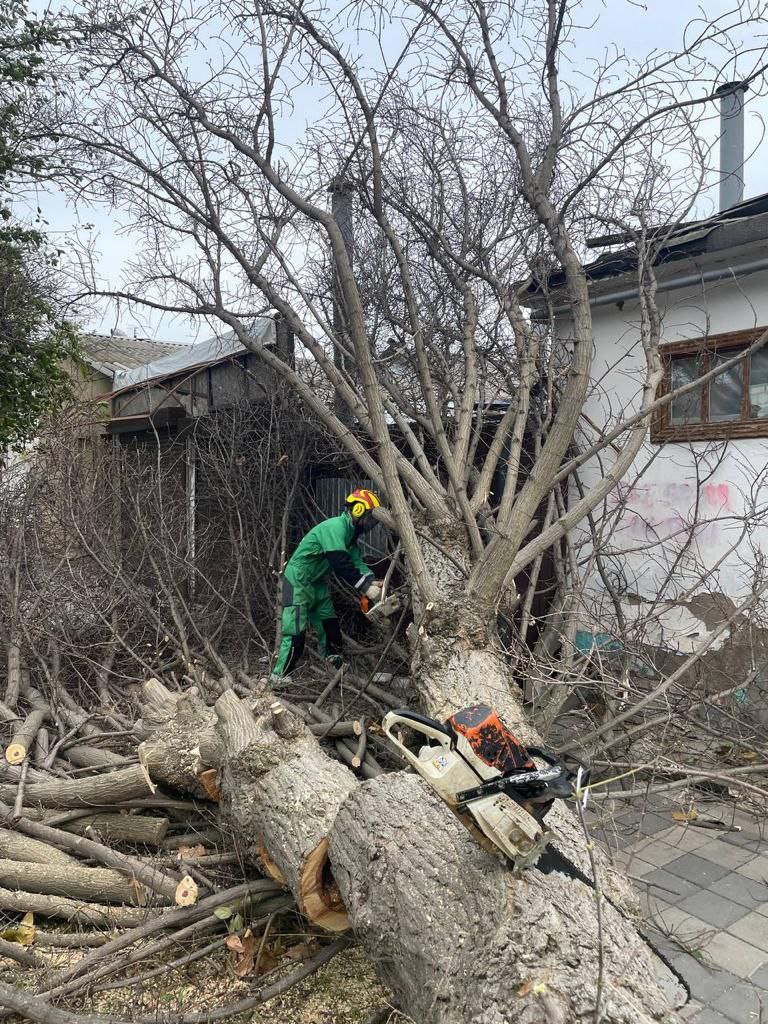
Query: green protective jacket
{"x": 328, "y": 548}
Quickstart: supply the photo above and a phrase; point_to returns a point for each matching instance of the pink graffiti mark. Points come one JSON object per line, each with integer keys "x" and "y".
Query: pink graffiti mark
{"x": 653, "y": 499}
{"x": 656, "y": 511}
{"x": 717, "y": 496}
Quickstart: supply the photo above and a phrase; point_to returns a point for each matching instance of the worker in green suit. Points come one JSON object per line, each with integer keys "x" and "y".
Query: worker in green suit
{"x": 328, "y": 548}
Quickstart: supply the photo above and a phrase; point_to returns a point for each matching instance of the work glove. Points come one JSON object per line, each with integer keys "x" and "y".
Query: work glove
{"x": 373, "y": 591}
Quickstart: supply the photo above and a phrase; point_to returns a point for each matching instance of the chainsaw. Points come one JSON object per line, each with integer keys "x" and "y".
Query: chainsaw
{"x": 483, "y": 772}
{"x": 383, "y": 609}
{"x": 475, "y": 764}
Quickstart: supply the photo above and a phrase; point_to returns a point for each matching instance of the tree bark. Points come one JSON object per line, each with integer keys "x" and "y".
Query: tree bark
{"x": 182, "y": 740}
{"x": 96, "y": 885}
{"x": 24, "y": 735}
{"x": 282, "y": 794}
{"x": 457, "y": 936}
{"x": 15, "y": 846}
{"x": 74, "y": 911}
{"x": 184, "y": 892}
{"x": 127, "y": 828}
{"x": 457, "y": 662}
{"x": 99, "y": 790}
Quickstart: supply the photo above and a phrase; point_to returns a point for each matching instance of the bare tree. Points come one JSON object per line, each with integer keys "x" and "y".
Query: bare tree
{"x": 475, "y": 161}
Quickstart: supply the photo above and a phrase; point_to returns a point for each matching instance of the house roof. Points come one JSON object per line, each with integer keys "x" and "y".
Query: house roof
{"x": 111, "y": 353}
{"x": 194, "y": 357}
{"x": 743, "y": 227}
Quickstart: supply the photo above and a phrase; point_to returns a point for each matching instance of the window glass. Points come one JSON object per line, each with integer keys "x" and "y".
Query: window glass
{"x": 726, "y": 390}
{"x": 686, "y": 408}
{"x": 758, "y": 384}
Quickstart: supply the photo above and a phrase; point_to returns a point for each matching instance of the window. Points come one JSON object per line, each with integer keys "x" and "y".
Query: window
{"x": 733, "y": 404}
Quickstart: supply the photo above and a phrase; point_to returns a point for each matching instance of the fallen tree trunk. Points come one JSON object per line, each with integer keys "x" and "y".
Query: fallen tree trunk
{"x": 458, "y": 937}
{"x": 98, "y": 790}
{"x": 294, "y": 819}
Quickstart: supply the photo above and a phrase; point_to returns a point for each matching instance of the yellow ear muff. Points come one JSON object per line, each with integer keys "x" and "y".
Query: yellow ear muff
{"x": 359, "y": 508}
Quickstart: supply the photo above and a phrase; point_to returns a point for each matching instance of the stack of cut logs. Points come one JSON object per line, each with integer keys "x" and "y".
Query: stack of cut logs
{"x": 104, "y": 852}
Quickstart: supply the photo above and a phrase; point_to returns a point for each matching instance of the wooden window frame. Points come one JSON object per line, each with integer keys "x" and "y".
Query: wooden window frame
{"x": 662, "y": 428}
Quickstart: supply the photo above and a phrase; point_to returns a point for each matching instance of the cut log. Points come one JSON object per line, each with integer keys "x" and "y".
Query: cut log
{"x": 348, "y": 749}
{"x": 14, "y": 684}
{"x": 74, "y": 911}
{"x": 133, "y": 868}
{"x": 24, "y": 734}
{"x": 83, "y": 756}
{"x": 96, "y": 885}
{"x": 186, "y": 892}
{"x": 282, "y": 794}
{"x": 127, "y": 828}
{"x": 182, "y": 738}
{"x": 42, "y": 745}
{"x": 11, "y": 773}
{"x": 99, "y": 790}
{"x": 335, "y": 731}
{"x": 15, "y": 846}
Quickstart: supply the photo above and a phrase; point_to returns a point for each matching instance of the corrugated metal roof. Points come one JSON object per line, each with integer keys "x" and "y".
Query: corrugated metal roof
{"x": 746, "y": 223}
{"x": 109, "y": 353}
{"x": 193, "y": 356}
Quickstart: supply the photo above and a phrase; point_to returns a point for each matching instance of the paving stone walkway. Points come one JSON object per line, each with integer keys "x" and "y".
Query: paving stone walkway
{"x": 705, "y": 898}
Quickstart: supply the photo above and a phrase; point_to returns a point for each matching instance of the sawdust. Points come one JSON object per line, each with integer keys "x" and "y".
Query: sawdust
{"x": 344, "y": 991}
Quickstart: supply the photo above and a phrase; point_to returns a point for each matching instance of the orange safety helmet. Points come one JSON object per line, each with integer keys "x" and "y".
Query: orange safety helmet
{"x": 361, "y": 501}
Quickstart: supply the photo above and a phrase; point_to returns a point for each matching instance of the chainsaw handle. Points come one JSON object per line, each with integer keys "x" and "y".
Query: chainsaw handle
{"x": 419, "y": 723}
{"x": 427, "y": 727}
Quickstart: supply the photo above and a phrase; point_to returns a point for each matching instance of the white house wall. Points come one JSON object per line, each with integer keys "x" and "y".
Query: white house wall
{"x": 684, "y": 534}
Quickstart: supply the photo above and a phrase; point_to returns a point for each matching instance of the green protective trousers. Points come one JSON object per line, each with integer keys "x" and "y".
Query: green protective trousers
{"x": 306, "y": 604}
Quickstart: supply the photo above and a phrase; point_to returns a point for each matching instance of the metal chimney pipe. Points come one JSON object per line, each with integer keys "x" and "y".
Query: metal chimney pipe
{"x": 731, "y": 143}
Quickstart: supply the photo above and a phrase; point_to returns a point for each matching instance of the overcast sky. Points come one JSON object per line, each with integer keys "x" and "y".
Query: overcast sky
{"x": 658, "y": 25}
